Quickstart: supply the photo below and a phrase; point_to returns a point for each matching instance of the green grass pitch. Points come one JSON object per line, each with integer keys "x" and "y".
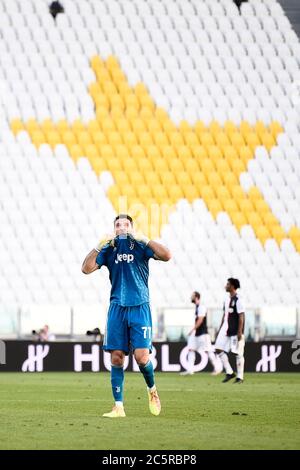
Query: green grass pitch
{"x": 63, "y": 411}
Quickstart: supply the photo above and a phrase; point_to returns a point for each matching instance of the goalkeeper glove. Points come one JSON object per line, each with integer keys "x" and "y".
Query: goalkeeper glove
{"x": 140, "y": 237}
{"x": 108, "y": 239}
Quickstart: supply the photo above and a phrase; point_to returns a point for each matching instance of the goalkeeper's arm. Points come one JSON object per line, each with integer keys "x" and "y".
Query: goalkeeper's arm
{"x": 161, "y": 252}
{"x": 89, "y": 265}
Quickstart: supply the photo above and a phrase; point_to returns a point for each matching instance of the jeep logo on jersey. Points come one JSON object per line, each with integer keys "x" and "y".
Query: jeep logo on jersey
{"x": 124, "y": 257}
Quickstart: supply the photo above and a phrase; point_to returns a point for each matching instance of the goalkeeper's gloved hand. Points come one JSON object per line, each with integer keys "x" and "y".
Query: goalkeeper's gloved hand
{"x": 108, "y": 239}
{"x": 140, "y": 237}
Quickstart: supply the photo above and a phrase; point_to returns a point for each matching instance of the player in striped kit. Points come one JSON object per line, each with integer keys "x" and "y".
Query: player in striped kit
{"x": 231, "y": 333}
{"x": 199, "y": 339}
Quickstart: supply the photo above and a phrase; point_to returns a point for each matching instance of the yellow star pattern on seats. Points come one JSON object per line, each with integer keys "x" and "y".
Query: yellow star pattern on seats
{"x": 153, "y": 161}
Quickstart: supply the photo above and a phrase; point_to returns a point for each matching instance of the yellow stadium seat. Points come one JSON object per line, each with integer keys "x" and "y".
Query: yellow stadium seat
{"x": 268, "y": 141}
{"x": 113, "y": 163}
{"x": 161, "y": 115}
{"x": 76, "y": 152}
{"x": 38, "y": 138}
{"x": 131, "y": 113}
{"x": 78, "y": 126}
{"x": 137, "y": 152}
{"x": 278, "y": 233}
{"x": 206, "y": 140}
{"x": 245, "y": 128}
{"x": 214, "y": 207}
{"x": 222, "y": 192}
{"x": 214, "y": 153}
{"x": 238, "y": 167}
{"x": 184, "y": 153}
{"x": 108, "y": 125}
{"x": 153, "y": 126}
{"x": 136, "y": 178}
{"x": 200, "y": 128}
{"x": 207, "y": 192}
{"x": 254, "y": 219}
{"x": 132, "y": 101}
{"x": 140, "y": 89}
{"x": 214, "y": 128}
{"x": 32, "y": 126}
{"x": 145, "y": 139}
{"x": 252, "y": 141}
{"x": 91, "y": 151}
{"x": 245, "y": 154}
{"x": 237, "y": 192}
{"x": 254, "y": 194}
{"x": 124, "y": 89}
{"x": 237, "y": 140}
{"x": 269, "y": 219}
{"x": 222, "y": 140}
{"x": 92, "y": 126}
{"x": 99, "y": 139}
{"x": 53, "y": 138}
{"x": 128, "y": 164}
{"x": 246, "y": 206}
{"x": 261, "y": 206}
{"x": 238, "y": 219}
{"x": 101, "y": 114}
{"x": 107, "y": 152}
{"x": 98, "y": 165}
{"x": 122, "y": 151}
{"x": 214, "y": 179}
{"x": 114, "y": 138}
{"x": 176, "y": 140}
{"x": 122, "y": 125}
{"x": 146, "y": 102}
{"x": 159, "y": 192}
{"x": 207, "y": 165}
{"x": 69, "y": 138}
{"x": 198, "y": 179}
{"x": 222, "y": 166}
{"x": 230, "y": 128}
{"x": 191, "y": 166}
{"x": 191, "y": 139}
{"x": 294, "y": 234}
{"x": 102, "y": 101}
{"x": 153, "y": 153}
{"x": 84, "y": 138}
{"x": 152, "y": 178}
{"x": 230, "y": 206}
{"x": 130, "y": 140}
{"x": 121, "y": 177}
{"x": 147, "y": 115}
{"x": 175, "y": 192}
{"x": 144, "y": 164}
{"x": 262, "y": 233}
{"x": 160, "y": 164}
{"x": 199, "y": 152}
{"x": 190, "y": 193}
{"x": 138, "y": 126}
{"x": 230, "y": 179}
{"x": 168, "y": 152}
{"x": 161, "y": 140}
{"x": 176, "y": 166}
{"x": 168, "y": 179}
{"x": 183, "y": 178}
{"x": 275, "y": 129}
{"x": 16, "y": 126}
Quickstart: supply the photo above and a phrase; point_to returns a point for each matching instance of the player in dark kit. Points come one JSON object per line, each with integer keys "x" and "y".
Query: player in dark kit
{"x": 231, "y": 333}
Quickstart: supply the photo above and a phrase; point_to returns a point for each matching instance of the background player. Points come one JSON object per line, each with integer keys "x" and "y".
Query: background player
{"x": 129, "y": 323}
{"x": 199, "y": 339}
{"x": 231, "y": 332}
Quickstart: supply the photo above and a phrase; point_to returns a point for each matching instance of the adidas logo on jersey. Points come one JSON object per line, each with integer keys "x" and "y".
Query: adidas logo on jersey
{"x": 124, "y": 257}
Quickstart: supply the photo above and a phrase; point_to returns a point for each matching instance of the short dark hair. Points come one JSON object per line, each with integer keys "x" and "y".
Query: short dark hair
{"x": 123, "y": 216}
{"x": 234, "y": 282}
{"x": 197, "y": 294}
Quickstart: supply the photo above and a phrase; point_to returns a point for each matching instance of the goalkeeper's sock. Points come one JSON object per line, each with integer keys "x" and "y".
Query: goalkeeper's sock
{"x": 225, "y": 361}
{"x": 117, "y": 382}
{"x": 148, "y": 373}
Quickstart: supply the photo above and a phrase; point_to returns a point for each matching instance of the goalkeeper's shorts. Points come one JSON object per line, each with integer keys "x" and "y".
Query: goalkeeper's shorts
{"x": 128, "y": 328}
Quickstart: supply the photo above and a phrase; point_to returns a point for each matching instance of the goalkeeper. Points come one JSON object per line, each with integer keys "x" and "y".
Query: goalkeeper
{"x": 129, "y": 323}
